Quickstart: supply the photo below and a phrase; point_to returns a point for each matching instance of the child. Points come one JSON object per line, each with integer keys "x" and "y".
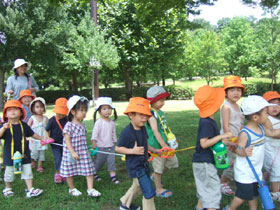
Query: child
{"x": 38, "y": 123}
{"x": 133, "y": 143}
{"x": 104, "y": 137}
{"x": 231, "y": 121}
{"x": 76, "y": 159}
{"x": 272, "y": 146}
{"x": 208, "y": 100}
{"x": 158, "y": 129}
{"x": 54, "y": 130}
{"x": 26, "y": 97}
{"x": 251, "y": 141}
{"x": 14, "y": 132}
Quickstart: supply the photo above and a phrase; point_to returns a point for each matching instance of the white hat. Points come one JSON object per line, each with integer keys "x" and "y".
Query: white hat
{"x": 37, "y": 99}
{"x": 19, "y": 62}
{"x": 104, "y": 101}
{"x": 72, "y": 101}
{"x": 253, "y": 104}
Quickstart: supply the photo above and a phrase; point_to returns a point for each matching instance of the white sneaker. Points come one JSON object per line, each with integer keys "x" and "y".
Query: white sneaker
{"x": 275, "y": 196}
{"x": 33, "y": 192}
{"x": 74, "y": 192}
{"x": 226, "y": 190}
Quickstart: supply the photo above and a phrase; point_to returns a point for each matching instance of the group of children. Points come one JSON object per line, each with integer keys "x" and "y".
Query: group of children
{"x": 26, "y": 129}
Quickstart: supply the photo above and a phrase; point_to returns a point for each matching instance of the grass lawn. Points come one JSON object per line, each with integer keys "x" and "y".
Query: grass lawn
{"x": 184, "y": 123}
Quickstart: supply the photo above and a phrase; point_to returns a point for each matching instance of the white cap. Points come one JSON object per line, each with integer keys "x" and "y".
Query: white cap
{"x": 72, "y": 101}
{"x": 19, "y": 62}
{"x": 38, "y": 99}
{"x": 104, "y": 101}
{"x": 253, "y": 104}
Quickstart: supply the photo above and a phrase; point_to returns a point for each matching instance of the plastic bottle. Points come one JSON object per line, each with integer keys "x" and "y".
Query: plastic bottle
{"x": 17, "y": 158}
{"x": 220, "y": 155}
{"x": 172, "y": 141}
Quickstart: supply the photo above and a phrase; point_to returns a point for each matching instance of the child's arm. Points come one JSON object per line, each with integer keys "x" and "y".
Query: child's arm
{"x": 225, "y": 118}
{"x": 153, "y": 123}
{"x": 206, "y": 142}
{"x": 36, "y": 136}
{"x": 274, "y": 133}
{"x": 68, "y": 143}
{"x": 94, "y": 143}
{"x": 131, "y": 151}
{"x": 153, "y": 150}
{"x": 4, "y": 128}
{"x": 30, "y": 122}
{"x": 242, "y": 142}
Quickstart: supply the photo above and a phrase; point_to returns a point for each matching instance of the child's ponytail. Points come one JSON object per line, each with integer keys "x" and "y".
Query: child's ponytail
{"x": 115, "y": 115}
{"x": 94, "y": 115}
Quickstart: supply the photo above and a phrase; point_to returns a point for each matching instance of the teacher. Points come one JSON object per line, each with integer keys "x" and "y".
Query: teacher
{"x": 21, "y": 80}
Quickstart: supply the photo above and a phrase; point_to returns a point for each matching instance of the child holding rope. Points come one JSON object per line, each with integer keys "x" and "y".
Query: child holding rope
{"x": 272, "y": 146}
{"x": 104, "y": 137}
{"x": 54, "y": 130}
{"x": 158, "y": 132}
{"x": 208, "y": 100}
{"x": 76, "y": 160}
{"x": 231, "y": 121}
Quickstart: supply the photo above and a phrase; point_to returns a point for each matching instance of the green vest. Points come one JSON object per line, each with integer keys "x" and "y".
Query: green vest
{"x": 152, "y": 139}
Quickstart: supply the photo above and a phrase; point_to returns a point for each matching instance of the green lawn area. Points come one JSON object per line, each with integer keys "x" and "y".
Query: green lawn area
{"x": 183, "y": 119}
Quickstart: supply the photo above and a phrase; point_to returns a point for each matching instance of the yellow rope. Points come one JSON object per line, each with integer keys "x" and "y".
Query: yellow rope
{"x": 170, "y": 153}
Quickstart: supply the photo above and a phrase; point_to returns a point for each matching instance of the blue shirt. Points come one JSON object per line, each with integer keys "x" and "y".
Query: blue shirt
{"x": 17, "y": 143}
{"x": 208, "y": 128}
{"x": 54, "y": 129}
{"x": 127, "y": 139}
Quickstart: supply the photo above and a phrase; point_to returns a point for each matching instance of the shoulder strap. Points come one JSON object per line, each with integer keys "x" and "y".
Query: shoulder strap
{"x": 254, "y": 171}
{"x": 60, "y": 126}
{"x": 161, "y": 122}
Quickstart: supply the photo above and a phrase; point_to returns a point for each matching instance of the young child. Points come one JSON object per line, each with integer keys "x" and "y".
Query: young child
{"x": 54, "y": 130}
{"x": 14, "y": 132}
{"x": 272, "y": 146}
{"x": 38, "y": 123}
{"x": 76, "y": 160}
{"x": 104, "y": 137}
{"x": 231, "y": 121}
{"x": 208, "y": 100}
{"x": 26, "y": 97}
{"x": 133, "y": 143}
{"x": 251, "y": 141}
{"x": 158, "y": 129}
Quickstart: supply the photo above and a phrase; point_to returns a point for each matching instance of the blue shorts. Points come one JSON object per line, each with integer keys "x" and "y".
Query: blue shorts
{"x": 246, "y": 191}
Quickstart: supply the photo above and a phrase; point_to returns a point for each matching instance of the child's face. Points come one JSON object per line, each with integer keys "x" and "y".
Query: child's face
{"x": 13, "y": 113}
{"x": 158, "y": 104}
{"x": 105, "y": 111}
{"x": 234, "y": 94}
{"x": 60, "y": 116}
{"x": 26, "y": 100}
{"x": 262, "y": 117}
{"x": 274, "y": 110}
{"x": 79, "y": 114}
{"x": 39, "y": 108}
{"x": 138, "y": 120}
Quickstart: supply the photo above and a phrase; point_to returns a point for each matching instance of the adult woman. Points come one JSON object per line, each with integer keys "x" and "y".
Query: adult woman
{"x": 21, "y": 80}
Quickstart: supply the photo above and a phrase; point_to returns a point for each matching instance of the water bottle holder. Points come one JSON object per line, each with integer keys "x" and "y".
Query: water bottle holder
{"x": 173, "y": 143}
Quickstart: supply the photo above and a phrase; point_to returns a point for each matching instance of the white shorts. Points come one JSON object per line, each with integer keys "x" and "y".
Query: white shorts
{"x": 9, "y": 175}
{"x": 272, "y": 160}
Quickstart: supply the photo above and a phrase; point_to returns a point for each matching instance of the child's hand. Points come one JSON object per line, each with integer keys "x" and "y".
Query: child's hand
{"x": 93, "y": 144}
{"x": 138, "y": 150}
{"x": 75, "y": 156}
{"x": 249, "y": 151}
{"x": 227, "y": 135}
{"x": 6, "y": 125}
{"x": 157, "y": 151}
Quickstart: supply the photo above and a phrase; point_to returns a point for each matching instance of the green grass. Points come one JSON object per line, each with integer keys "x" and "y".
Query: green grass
{"x": 180, "y": 181}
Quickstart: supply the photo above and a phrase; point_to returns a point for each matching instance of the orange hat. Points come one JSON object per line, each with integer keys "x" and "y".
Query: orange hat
{"x": 26, "y": 92}
{"x": 209, "y": 100}
{"x": 13, "y": 103}
{"x": 233, "y": 81}
{"x": 139, "y": 105}
{"x": 271, "y": 95}
{"x": 61, "y": 106}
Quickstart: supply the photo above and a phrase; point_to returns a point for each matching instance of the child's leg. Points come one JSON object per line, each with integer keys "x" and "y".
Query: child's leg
{"x": 235, "y": 203}
{"x": 99, "y": 162}
{"x": 148, "y": 204}
{"x": 133, "y": 192}
{"x": 29, "y": 183}
{"x": 111, "y": 165}
{"x": 274, "y": 187}
{"x": 70, "y": 182}
{"x": 253, "y": 204}
{"x": 90, "y": 182}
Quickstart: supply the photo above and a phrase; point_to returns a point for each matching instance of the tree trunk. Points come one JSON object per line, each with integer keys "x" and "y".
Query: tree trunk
{"x": 163, "y": 78}
{"x": 92, "y": 86}
{"x": 138, "y": 83}
{"x": 75, "y": 83}
{"x": 173, "y": 81}
{"x": 2, "y": 77}
{"x": 128, "y": 84}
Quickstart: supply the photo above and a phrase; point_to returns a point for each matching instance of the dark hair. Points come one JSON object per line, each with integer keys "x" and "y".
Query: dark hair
{"x": 98, "y": 110}
{"x": 25, "y": 74}
{"x": 79, "y": 105}
{"x": 249, "y": 117}
{"x": 242, "y": 90}
{"x": 33, "y": 105}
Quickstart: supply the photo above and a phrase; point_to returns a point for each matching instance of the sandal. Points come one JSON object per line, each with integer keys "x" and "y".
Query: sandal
{"x": 8, "y": 192}
{"x": 115, "y": 180}
{"x": 57, "y": 178}
{"x": 93, "y": 193}
{"x": 33, "y": 164}
{"x": 275, "y": 196}
{"x": 74, "y": 192}
{"x": 40, "y": 169}
{"x": 33, "y": 192}
{"x": 96, "y": 177}
{"x": 165, "y": 194}
{"x": 226, "y": 190}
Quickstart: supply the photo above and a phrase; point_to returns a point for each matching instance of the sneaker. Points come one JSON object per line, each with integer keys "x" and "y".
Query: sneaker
{"x": 33, "y": 192}
{"x": 275, "y": 196}
{"x": 226, "y": 190}
{"x": 122, "y": 207}
{"x": 134, "y": 207}
{"x": 226, "y": 208}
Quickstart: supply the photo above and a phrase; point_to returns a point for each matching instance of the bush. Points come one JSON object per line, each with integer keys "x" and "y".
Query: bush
{"x": 117, "y": 94}
{"x": 259, "y": 88}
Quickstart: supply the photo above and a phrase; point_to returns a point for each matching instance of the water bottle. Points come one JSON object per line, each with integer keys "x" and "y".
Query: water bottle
{"x": 172, "y": 141}
{"x": 17, "y": 158}
{"x": 220, "y": 155}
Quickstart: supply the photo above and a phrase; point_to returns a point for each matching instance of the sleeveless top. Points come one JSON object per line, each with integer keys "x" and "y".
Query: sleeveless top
{"x": 275, "y": 125}
{"x": 40, "y": 129}
{"x": 236, "y": 120}
{"x": 242, "y": 170}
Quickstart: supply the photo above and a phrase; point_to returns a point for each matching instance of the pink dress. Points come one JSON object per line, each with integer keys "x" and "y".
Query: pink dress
{"x": 84, "y": 166}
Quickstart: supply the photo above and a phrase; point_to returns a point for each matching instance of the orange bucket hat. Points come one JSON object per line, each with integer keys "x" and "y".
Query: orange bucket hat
{"x": 139, "y": 105}
{"x": 13, "y": 103}
{"x": 271, "y": 95}
{"x": 209, "y": 100}
{"x": 233, "y": 81}
{"x": 61, "y": 106}
{"x": 26, "y": 92}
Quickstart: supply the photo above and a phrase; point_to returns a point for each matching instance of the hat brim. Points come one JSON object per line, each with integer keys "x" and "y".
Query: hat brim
{"x": 273, "y": 97}
{"x": 131, "y": 109}
{"x": 97, "y": 107}
{"x": 220, "y": 97}
{"x": 235, "y": 85}
{"x": 60, "y": 111}
{"x": 158, "y": 97}
{"x": 21, "y": 108}
{"x": 32, "y": 96}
